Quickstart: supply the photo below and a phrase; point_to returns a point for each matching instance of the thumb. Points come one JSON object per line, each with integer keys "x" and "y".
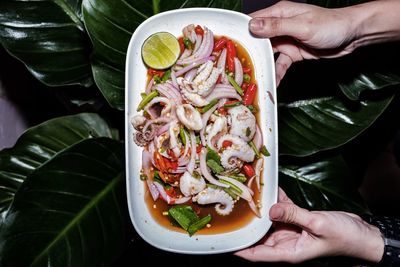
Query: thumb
{"x": 275, "y": 26}
{"x": 291, "y": 214}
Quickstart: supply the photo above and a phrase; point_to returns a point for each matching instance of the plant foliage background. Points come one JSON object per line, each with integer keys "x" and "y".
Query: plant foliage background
{"x": 62, "y": 186}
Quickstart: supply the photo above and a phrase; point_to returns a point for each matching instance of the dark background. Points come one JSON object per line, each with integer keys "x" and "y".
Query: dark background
{"x": 25, "y": 102}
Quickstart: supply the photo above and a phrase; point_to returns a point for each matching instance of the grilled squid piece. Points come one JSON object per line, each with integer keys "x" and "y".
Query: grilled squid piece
{"x": 137, "y": 121}
{"x": 207, "y": 76}
{"x": 190, "y": 185}
{"x": 243, "y": 122}
{"x": 238, "y": 150}
{"x": 142, "y": 138}
{"x": 190, "y": 117}
{"x": 219, "y": 126}
{"x": 211, "y": 195}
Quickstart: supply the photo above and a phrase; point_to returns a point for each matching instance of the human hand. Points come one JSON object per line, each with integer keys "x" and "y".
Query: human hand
{"x": 301, "y": 235}
{"x": 301, "y": 31}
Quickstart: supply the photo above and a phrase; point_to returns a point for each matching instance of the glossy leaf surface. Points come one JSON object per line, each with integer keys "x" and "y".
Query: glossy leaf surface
{"x": 309, "y": 126}
{"x": 321, "y": 185}
{"x": 49, "y": 38}
{"x": 71, "y": 211}
{"x": 39, "y": 144}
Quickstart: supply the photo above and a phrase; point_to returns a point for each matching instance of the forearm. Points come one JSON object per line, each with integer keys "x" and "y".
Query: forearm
{"x": 375, "y": 22}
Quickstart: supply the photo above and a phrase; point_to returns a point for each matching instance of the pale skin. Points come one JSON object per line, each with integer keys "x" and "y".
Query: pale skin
{"x": 301, "y": 235}
{"x": 299, "y": 32}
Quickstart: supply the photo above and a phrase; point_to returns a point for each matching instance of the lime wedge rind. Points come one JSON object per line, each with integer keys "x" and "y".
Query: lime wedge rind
{"x": 160, "y": 50}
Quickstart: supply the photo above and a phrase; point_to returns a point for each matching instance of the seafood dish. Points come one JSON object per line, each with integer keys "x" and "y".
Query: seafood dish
{"x": 202, "y": 145}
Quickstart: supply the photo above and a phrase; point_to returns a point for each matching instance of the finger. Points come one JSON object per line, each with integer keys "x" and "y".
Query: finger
{"x": 282, "y": 197}
{"x": 277, "y": 26}
{"x": 262, "y": 253}
{"x": 280, "y": 9}
{"x": 282, "y": 64}
{"x": 291, "y": 214}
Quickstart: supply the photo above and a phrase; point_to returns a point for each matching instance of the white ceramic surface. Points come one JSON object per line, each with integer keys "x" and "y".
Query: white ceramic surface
{"x": 233, "y": 25}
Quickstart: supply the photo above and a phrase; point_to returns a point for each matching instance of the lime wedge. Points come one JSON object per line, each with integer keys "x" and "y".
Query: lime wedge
{"x": 160, "y": 51}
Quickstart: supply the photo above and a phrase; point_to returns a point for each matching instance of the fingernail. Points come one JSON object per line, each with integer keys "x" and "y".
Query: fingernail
{"x": 256, "y": 24}
{"x": 276, "y": 213}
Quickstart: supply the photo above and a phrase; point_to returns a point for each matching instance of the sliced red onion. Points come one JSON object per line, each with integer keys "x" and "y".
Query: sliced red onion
{"x": 224, "y": 78}
{"x": 193, "y": 36}
{"x": 250, "y": 182}
{"x": 168, "y": 199}
{"x": 153, "y": 190}
{"x": 164, "y": 89}
{"x": 149, "y": 86}
{"x": 153, "y": 113}
{"x": 246, "y": 192}
{"x": 186, "y": 53}
{"x": 258, "y": 139}
{"x": 181, "y": 200}
{"x": 146, "y": 164}
{"x": 258, "y": 171}
{"x": 254, "y": 208}
{"x": 163, "y": 129}
{"x": 204, "y": 50}
{"x": 223, "y": 94}
{"x": 199, "y": 38}
{"x": 159, "y": 99}
{"x": 175, "y": 91}
{"x": 238, "y": 71}
{"x": 193, "y": 65}
{"x": 180, "y": 169}
{"x": 151, "y": 151}
{"x": 187, "y": 32}
{"x": 162, "y": 192}
{"x": 190, "y": 75}
{"x": 205, "y": 172}
{"x": 190, "y": 166}
{"x": 222, "y": 61}
{"x": 224, "y": 86}
{"x": 173, "y": 79}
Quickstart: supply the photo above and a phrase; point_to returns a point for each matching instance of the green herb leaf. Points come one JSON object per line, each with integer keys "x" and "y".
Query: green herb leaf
{"x": 184, "y": 215}
{"x": 212, "y": 155}
{"x": 215, "y": 166}
{"x": 200, "y": 224}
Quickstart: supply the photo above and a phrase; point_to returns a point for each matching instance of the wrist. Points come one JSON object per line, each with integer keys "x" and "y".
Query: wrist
{"x": 375, "y": 245}
{"x": 375, "y": 22}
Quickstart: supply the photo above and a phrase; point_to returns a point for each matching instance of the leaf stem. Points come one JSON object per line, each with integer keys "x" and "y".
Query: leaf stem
{"x": 156, "y": 6}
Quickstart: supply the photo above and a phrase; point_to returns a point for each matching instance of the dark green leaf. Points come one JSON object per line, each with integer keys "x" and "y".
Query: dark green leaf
{"x": 214, "y": 166}
{"x": 71, "y": 211}
{"x": 184, "y": 215}
{"x": 322, "y": 185}
{"x": 312, "y": 125}
{"x": 49, "y": 38}
{"x": 200, "y": 224}
{"x": 372, "y": 81}
{"x": 39, "y": 144}
{"x": 110, "y": 25}
{"x": 379, "y": 71}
